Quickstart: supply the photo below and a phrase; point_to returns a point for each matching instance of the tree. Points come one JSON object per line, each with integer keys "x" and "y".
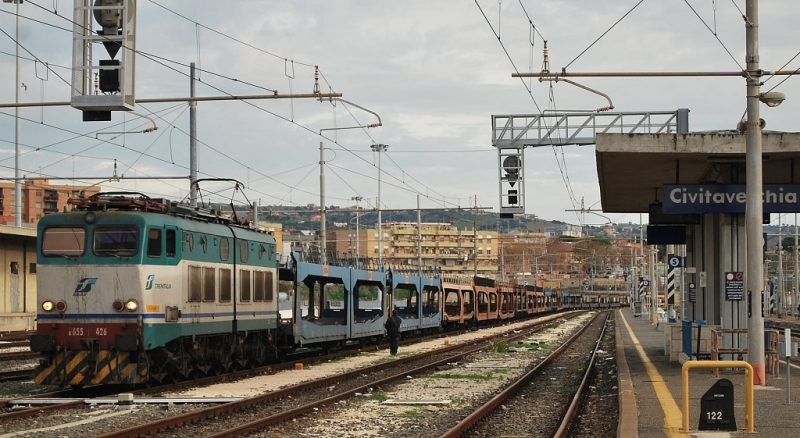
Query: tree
{"x": 788, "y": 243}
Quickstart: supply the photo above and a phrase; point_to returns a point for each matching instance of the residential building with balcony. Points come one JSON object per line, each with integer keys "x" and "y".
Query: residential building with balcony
{"x": 39, "y": 198}
{"x": 438, "y": 245}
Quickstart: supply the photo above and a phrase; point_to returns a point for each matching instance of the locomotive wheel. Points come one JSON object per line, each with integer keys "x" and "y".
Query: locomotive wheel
{"x": 170, "y": 379}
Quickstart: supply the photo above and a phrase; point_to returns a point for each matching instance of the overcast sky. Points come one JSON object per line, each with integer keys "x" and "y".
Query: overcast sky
{"x": 433, "y": 71}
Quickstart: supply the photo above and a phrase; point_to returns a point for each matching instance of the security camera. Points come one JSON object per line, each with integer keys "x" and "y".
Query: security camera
{"x": 772, "y": 98}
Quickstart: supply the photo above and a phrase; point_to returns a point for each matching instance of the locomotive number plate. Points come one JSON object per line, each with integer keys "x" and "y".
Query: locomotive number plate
{"x": 153, "y": 308}
{"x": 81, "y": 331}
{"x": 75, "y": 331}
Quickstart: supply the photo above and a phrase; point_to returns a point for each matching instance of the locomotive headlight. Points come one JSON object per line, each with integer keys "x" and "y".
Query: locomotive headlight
{"x": 47, "y": 306}
{"x": 131, "y": 305}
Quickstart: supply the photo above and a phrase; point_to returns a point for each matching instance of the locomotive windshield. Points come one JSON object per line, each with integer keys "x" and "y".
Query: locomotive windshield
{"x": 117, "y": 241}
{"x": 64, "y": 241}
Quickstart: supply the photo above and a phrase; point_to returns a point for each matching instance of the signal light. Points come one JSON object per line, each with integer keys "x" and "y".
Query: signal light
{"x": 109, "y": 77}
{"x": 131, "y": 305}
{"x": 61, "y": 306}
{"x": 512, "y": 197}
{"x": 118, "y": 306}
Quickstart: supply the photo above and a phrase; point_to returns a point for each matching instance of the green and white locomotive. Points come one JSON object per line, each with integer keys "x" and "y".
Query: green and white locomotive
{"x": 138, "y": 290}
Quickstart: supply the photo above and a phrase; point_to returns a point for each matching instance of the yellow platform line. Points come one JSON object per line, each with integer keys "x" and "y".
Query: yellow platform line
{"x": 672, "y": 413}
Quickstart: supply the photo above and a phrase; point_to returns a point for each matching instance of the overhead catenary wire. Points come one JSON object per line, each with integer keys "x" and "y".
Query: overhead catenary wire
{"x": 165, "y": 61}
{"x": 184, "y": 74}
{"x": 46, "y": 148}
{"x": 272, "y": 113}
{"x": 562, "y": 168}
{"x": 604, "y": 34}
{"x": 714, "y": 33}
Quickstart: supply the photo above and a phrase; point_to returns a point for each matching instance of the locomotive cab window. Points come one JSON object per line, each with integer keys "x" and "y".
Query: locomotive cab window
{"x": 154, "y": 242}
{"x": 116, "y": 241}
{"x": 64, "y": 241}
{"x": 171, "y": 243}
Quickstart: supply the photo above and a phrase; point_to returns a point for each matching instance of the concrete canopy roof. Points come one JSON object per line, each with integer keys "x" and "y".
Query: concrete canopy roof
{"x": 632, "y": 168}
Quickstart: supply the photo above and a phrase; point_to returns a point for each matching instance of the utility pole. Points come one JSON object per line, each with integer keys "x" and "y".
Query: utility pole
{"x": 795, "y": 309}
{"x": 780, "y": 269}
{"x": 754, "y": 214}
{"x": 419, "y": 239}
{"x": 323, "y": 215}
{"x": 379, "y": 148}
{"x": 192, "y": 140}
{"x": 653, "y": 285}
{"x": 358, "y": 232}
{"x": 17, "y": 128}
{"x": 475, "y": 247}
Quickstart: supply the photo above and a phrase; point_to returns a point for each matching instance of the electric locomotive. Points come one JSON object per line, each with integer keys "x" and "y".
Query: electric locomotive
{"x": 137, "y": 290}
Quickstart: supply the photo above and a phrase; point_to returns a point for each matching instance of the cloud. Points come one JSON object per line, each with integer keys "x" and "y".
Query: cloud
{"x": 434, "y": 72}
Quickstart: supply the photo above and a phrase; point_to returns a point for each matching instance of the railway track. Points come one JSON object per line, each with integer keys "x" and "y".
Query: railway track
{"x": 288, "y": 403}
{"x": 14, "y": 344}
{"x": 18, "y": 355}
{"x": 548, "y": 397}
{"x": 113, "y": 391}
{"x": 23, "y": 374}
{"x": 22, "y": 335}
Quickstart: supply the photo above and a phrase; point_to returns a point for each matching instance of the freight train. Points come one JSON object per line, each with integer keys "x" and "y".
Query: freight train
{"x": 135, "y": 290}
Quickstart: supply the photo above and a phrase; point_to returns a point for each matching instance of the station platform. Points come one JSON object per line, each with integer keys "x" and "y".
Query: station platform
{"x": 651, "y": 393}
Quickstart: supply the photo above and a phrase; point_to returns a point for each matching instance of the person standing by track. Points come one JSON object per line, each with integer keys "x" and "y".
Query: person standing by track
{"x": 392, "y": 326}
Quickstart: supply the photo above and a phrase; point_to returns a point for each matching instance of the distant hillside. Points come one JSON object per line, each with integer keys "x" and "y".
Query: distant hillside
{"x": 305, "y": 218}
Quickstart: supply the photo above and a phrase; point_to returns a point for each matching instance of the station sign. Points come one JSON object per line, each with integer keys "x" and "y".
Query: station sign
{"x": 674, "y": 261}
{"x": 728, "y": 198}
{"x": 734, "y": 286}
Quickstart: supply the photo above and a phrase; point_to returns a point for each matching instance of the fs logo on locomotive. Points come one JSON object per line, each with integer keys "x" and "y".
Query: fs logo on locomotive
{"x": 84, "y": 286}
{"x": 151, "y": 284}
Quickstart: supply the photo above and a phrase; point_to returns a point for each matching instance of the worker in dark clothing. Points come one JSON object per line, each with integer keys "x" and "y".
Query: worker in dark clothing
{"x": 393, "y": 330}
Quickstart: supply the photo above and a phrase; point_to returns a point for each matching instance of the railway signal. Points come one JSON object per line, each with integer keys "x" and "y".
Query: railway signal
{"x": 98, "y": 88}
{"x": 512, "y": 182}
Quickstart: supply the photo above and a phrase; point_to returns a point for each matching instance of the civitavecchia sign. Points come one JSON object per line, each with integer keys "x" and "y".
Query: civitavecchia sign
{"x": 728, "y": 198}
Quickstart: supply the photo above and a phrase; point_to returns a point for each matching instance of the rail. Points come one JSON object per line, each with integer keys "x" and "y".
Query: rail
{"x": 580, "y": 394}
{"x": 219, "y": 411}
{"x": 463, "y": 427}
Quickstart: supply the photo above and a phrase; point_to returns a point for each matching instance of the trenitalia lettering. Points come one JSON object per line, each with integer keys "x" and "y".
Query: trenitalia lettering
{"x": 728, "y": 198}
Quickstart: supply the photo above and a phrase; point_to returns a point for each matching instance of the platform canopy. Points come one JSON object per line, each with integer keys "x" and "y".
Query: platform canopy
{"x": 633, "y": 168}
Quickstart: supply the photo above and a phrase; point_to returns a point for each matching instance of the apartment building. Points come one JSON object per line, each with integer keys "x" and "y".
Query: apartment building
{"x": 438, "y": 245}
{"x": 39, "y": 198}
